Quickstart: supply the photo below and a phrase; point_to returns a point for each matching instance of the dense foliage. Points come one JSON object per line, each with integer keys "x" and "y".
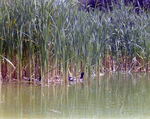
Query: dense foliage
{"x": 108, "y": 4}
{"x": 39, "y": 38}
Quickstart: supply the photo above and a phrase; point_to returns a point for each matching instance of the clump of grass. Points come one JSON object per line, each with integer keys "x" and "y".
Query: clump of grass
{"x": 40, "y": 38}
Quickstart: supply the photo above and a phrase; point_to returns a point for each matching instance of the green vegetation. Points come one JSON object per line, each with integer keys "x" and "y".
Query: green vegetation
{"x": 40, "y": 38}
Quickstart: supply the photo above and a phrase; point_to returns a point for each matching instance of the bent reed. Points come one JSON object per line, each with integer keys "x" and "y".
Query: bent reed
{"x": 41, "y": 39}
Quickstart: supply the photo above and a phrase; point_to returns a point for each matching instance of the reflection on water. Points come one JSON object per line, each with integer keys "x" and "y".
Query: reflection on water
{"x": 108, "y": 97}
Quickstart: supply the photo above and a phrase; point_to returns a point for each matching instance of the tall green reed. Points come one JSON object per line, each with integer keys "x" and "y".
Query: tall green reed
{"x": 59, "y": 38}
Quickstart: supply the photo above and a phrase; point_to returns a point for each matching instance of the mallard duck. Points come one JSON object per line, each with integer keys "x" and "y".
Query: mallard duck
{"x": 36, "y": 80}
{"x": 57, "y": 80}
{"x": 71, "y": 79}
{"x": 74, "y": 79}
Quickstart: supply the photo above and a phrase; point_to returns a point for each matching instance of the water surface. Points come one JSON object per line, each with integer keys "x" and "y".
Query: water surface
{"x": 112, "y": 96}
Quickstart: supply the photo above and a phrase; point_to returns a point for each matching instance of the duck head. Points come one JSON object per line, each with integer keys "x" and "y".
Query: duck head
{"x": 82, "y": 74}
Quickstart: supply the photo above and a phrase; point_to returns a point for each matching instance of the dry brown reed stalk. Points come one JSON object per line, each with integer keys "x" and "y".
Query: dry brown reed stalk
{"x": 0, "y": 77}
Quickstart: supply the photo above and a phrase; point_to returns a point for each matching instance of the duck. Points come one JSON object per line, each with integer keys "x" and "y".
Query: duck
{"x": 32, "y": 79}
{"x": 57, "y": 80}
{"x": 71, "y": 79}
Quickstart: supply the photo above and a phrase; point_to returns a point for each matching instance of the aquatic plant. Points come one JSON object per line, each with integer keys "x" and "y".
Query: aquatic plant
{"x": 42, "y": 39}
{"x": 107, "y": 4}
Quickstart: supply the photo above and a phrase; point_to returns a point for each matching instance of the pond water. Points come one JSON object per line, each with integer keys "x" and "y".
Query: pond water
{"x": 112, "y": 96}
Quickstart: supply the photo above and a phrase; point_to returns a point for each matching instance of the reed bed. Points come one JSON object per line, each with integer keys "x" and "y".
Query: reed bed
{"x": 40, "y": 38}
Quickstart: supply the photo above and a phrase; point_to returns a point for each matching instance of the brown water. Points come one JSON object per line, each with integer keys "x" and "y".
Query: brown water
{"x": 123, "y": 96}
